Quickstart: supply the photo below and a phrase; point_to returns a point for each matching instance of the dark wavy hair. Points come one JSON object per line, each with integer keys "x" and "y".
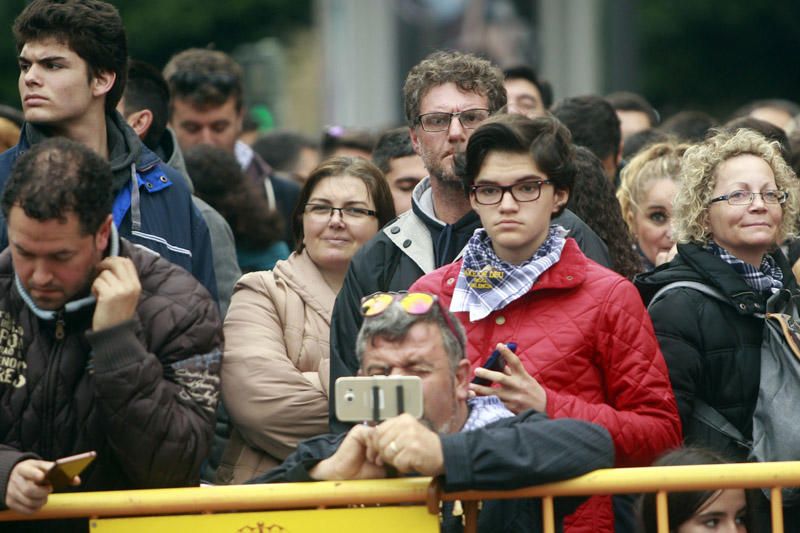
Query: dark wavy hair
{"x": 58, "y": 176}
{"x": 91, "y": 28}
{"x": 593, "y": 200}
{"x": 681, "y": 506}
{"x": 545, "y": 139}
{"x": 470, "y": 73}
{"x": 357, "y": 167}
{"x": 218, "y": 179}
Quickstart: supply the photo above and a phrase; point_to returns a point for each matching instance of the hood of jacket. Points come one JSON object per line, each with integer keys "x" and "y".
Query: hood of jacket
{"x": 303, "y": 277}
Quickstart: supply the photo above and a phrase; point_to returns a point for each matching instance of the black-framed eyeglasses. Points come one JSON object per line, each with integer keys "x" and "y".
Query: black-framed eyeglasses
{"x": 523, "y": 191}
{"x": 324, "y": 211}
{"x": 440, "y": 121}
{"x": 747, "y": 197}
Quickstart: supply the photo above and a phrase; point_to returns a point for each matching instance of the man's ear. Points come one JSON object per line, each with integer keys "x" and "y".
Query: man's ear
{"x": 103, "y": 82}
{"x": 103, "y": 235}
{"x": 560, "y": 199}
{"x": 462, "y": 377}
{"x": 140, "y": 121}
{"x": 412, "y": 132}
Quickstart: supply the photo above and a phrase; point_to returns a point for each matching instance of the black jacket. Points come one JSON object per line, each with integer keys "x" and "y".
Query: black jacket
{"x": 142, "y": 393}
{"x": 712, "y": 349}
{"x": 528, "y": 449}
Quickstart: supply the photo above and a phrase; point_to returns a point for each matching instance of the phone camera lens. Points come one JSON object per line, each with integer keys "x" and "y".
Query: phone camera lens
{"x": 349, "y": 396}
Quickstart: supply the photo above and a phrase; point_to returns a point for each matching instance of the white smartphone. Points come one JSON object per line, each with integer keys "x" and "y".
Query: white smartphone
{"x": 376, "y": 398}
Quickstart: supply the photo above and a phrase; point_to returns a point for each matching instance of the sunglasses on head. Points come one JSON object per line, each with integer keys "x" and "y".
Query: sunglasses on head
{"x": 413, "y": 303}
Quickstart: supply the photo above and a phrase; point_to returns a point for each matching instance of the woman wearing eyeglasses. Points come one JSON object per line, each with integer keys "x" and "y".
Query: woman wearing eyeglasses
{"x": 585, "y": 345}
{"x": 738, "y": 200}
{"x": 275, "y": 369}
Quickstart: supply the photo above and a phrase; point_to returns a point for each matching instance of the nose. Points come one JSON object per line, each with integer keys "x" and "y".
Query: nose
{"x": 30, "y": 76}
{"x": 41, "y": 275}
{"x": 758, "y": 202}
{"x": 206, "y": 137}
{"x": 507, "y": 201}
{"x": 456, "y": 131}
{"x": 337, "y": 218}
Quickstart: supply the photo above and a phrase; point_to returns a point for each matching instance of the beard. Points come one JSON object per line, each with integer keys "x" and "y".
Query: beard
{"x": 445, "y": 174}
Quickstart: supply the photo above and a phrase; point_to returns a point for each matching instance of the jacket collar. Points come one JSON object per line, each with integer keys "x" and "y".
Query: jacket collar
{"x": 70, "y": 306}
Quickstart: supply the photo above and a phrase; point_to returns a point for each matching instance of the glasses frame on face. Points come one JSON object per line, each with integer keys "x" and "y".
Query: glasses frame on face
{"x": 413, "y": 303}
{"x": 325, "y": 212}
{"x": 518, "y": 196}
{"x": 773, "y": 197}
{"x": 427, "y": 117}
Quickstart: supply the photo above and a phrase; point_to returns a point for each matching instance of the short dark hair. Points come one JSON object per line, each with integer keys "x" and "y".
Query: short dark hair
{"x": 545, "y": 139}
{"x": 767, "y": 129}
{"x": 91, "y": 28}
{"x": 58, "y": 176}
{"x": 392, "y": 144}
{"x": 206, "y": 78}
{"x": 641, "y": 140}
{"x": 689, "y": 126}
{"x": 524, "y": 72}
{"x": 592, "y": 122}
{"x": 628, "y": 101}
{"x": 281, "y": 149}
{"x": 468, "y": 72}
{"x": 787, "y": 106}
{"x": 218, "y": 180}
{"x": 357, "y": 167}
{"x": 336, "y": 137}
{"x": 146, "y": 89}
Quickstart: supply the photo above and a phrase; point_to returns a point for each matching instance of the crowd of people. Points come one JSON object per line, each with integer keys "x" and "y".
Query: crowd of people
{"x": 181, "y": 299}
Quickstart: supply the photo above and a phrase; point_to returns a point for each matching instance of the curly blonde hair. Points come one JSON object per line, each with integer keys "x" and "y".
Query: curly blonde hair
{"x": 658, "y": 161}
{"x": 698, "y": 178}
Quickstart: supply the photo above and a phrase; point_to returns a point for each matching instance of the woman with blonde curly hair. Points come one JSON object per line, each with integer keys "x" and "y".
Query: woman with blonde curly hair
{"x": 736, "y": 202}
{"x": 648, "y": 184}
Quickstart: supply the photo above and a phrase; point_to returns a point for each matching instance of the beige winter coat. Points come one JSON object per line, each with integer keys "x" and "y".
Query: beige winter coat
{"x": 275, "y": 369}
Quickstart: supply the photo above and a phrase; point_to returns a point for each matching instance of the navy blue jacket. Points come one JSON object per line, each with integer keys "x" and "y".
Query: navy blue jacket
{"x": 158, "y": 214}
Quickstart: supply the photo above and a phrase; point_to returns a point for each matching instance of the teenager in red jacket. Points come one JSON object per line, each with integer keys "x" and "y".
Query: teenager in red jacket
{"x": 585, "y": 344}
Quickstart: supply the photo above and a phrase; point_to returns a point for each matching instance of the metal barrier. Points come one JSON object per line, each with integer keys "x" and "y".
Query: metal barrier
{"x": 327, "y": 494}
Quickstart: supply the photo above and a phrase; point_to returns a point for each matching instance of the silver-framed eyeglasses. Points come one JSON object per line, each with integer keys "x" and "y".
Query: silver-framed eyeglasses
{"x": 747, "y": 197}
{"x": 440, "y": 121}
{"x": 523, "y": 191}
{"x": 325, "y": 211}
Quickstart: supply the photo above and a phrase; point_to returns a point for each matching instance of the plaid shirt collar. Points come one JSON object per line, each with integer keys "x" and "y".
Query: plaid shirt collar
{"x": 486, "y": 283}
{"x": 766, "y": 279}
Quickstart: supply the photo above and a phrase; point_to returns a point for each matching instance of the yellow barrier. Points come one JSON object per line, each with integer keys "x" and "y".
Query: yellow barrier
{"x": 156, "y": 502}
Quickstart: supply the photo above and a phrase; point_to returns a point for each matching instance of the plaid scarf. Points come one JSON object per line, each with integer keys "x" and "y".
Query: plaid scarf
{"x": 486, "y": 283}
{"x": 765, "y": 279}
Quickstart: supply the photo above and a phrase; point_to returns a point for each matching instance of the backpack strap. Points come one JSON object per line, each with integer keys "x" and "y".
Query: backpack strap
{"x": 696, "y": 285}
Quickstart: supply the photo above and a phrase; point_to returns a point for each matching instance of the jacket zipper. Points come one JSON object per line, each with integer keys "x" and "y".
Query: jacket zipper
{"x": 51, "y": 378}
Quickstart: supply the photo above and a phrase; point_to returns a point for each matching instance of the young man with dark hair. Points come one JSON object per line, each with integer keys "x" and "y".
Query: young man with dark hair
{"x": 208, "y": 108}
{"x": 594, "y": 125}
{"x": 395, "y": 156}
{"x": 121, "y": 346}
{"x": 292, "y": 155}
{"x": 634, "y": 112}
{"x": 73, "y": 61}
{"x": 145, "y": 106}
{"x": 528, "y": 94}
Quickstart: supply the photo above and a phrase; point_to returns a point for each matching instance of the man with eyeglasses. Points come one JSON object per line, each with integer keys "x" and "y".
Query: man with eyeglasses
{"x": 73, "y": 67}
{"x": 447, "y": 95}
{"x": 474, "y": 443}
{"x": 207, "y": 107}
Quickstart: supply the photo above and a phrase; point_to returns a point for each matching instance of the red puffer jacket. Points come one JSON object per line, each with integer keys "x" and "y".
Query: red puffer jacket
{"x": 584, "y": 334}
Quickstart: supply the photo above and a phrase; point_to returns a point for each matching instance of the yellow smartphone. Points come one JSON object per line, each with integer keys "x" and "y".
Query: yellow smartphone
{"x": 63, "y": 470}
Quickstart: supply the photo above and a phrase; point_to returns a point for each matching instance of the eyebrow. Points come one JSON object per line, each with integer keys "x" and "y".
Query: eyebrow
{"x": 530, "y": 177}
{"x": 43, "y": 59}
{"x": 326, "y": 201}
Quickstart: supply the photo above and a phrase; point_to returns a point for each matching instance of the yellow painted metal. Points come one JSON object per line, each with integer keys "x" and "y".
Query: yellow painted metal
{"x": 232, "y": 498}
{"x": 662, "y": 512}
{"x": 776, "y": 504}
{"x": 391, "y": 520}
{"x": 548, "y": 515}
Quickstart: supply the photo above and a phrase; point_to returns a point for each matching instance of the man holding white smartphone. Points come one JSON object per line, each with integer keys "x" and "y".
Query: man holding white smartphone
{"x": 474, "y": 443}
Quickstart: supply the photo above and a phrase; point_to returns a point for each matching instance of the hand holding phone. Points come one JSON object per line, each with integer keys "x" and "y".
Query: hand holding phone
{"x": 65, "y": 469}
{"x": 495, "y": 362}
